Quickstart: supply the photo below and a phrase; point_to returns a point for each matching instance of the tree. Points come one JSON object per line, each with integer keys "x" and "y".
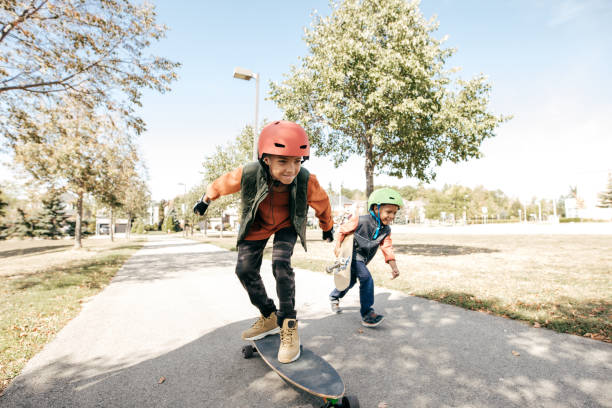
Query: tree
{"x": 227, "y": 158}
{"x": 119, "y": 175}
{"x": 605, "y": 197}
{"x": 91, "y": 52}
{"x": 24, "y": 225}
{"x": 3, "y": 226}
{"x": 51, "y": 219}
{"x": 374, "y": 85}
{"x": 161, "y": 210}
{"x": 136, "y": 201}
{"x": 67, "y": 150}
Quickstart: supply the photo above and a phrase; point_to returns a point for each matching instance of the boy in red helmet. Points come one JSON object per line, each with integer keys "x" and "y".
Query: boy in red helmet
{"x": 275, "y": 194}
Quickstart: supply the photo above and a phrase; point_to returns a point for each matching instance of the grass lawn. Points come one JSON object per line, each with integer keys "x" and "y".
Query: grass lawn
{"x": 42, "y": 286}
{"x": 562, "y": 282}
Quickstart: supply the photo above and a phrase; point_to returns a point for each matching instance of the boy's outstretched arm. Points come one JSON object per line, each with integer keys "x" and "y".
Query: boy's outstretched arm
{"x": 317, "y": 198}
{"x": 229, "y": 183}
{"x": 386, "y": 246}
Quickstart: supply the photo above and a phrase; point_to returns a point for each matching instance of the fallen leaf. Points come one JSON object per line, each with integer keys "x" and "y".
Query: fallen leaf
{"x": 360, "y": 330}
{"x": 161, "y": 380}
{"x": 536, "y": 325}
{"x": 383, "y": 405}
{"x": 516, "y": 353}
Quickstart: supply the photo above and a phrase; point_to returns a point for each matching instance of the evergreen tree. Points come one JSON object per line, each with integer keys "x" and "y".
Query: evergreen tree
{"x": 3, "y": 226}
{"x": 52, "y": 218}
{"x": 3, "y": 204}
{"x": 24, "y": 226}
{"x": 171, "y": 222}
{"x": 605, "y": 197}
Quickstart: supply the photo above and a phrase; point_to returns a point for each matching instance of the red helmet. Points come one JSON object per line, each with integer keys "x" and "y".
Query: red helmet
{"x": 284, "y": 138}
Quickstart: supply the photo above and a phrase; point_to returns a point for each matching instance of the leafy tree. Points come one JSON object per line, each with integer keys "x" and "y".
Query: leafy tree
{"x": 120, "y": 178}
{"x": 91, "y": 52}
{"x": 136, "y": 200}
{"x": 227, "y": 158}
{"x": 605, "y": 197}
{"x": 161, "y": 208}
{"x": 68, "y": 150}
{"x": 171, "y": 222}
{"x": 51, "y": 219}
{"x": 374, "y": 84}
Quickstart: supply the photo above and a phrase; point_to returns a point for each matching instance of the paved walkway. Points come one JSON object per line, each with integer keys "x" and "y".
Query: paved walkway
{"x": 176, "y": 310}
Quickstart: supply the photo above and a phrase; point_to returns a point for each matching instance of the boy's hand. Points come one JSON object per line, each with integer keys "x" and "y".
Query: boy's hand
{"x": 200, "y": 207}
{"x": 328, "y": 235}
{"x": 394, "y": 269}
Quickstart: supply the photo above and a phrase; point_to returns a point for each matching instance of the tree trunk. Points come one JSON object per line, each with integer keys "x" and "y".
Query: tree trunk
{"x": 369, "y": 167}
{"x": 77, "y": 226}
{"x": 112, "y": 225}
{"x": 129, "y": 226}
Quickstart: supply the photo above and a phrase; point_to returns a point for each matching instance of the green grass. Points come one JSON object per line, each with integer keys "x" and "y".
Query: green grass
{"x": 34, "y": 306}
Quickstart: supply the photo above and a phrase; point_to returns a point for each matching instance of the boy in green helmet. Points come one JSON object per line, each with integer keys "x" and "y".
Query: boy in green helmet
{"x": 371, "y": 231}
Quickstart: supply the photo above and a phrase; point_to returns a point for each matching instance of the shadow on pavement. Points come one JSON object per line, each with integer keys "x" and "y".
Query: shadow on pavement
{"x": 424, "y": 355}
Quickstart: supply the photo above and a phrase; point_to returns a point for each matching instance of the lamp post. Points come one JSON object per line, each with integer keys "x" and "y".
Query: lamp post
{"x": 247, "y": 75}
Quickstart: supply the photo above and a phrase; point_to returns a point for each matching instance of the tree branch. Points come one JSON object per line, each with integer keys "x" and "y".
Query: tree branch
{"x": 25, "y": 15}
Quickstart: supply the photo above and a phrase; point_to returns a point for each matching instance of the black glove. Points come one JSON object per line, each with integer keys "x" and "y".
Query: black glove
{"x": 328, "y": 235}
{"x": 200, "y": 207}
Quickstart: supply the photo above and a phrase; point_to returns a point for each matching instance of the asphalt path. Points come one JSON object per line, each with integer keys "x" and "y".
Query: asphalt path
{"x": 175, "y": 312}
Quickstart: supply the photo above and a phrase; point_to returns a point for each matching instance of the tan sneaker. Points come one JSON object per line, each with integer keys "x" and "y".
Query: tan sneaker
{"x": 264, "y": 326}
{"x": 289, "y": 349}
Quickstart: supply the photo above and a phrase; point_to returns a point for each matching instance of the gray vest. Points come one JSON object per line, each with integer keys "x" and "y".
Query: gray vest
{"x": 364, "y": 246}
{"x": 254, "y": 189}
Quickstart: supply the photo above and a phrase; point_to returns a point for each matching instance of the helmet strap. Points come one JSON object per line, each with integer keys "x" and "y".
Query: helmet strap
{"x": 377, "y": 218}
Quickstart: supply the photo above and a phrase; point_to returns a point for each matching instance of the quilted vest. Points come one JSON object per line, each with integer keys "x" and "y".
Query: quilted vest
{"x": 364, "y": 246}
{"x": 254, "y": 189}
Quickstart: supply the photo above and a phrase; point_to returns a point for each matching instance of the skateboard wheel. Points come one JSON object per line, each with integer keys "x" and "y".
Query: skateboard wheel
{"x": 247, "y": 351}
{"x": 350, "y": 401}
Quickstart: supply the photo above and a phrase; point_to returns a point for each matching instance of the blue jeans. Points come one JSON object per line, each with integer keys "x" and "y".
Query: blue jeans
{"x": 366, "y": 287}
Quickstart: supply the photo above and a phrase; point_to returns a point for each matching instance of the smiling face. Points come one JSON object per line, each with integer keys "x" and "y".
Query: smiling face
{"x": 283, "y": 168}
{"x": 387, "y": 213}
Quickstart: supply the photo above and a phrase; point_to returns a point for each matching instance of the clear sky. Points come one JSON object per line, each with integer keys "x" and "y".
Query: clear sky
{"x": 548, "y": 62}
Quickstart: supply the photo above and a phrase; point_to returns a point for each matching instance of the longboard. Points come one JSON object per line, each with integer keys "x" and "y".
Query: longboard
{"x": 342, "y": 265}
{"x": 309, "y": 373}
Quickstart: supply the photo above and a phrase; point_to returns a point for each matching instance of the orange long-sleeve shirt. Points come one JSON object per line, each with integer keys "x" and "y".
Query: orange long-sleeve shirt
{"x": 349, "y": 227}
{"x": 273, "y": 212}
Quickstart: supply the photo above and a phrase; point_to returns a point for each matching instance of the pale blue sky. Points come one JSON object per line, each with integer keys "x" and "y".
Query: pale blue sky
{"x": 547, "y": 60}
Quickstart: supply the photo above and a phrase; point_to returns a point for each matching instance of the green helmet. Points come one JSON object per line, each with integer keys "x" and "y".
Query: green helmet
{"x": 385, "y": 196}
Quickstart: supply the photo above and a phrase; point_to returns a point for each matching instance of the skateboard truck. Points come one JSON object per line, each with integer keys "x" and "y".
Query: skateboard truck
{"x": 338, "y": 265}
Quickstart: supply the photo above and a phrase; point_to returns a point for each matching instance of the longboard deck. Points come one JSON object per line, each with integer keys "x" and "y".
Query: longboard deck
{"x": 342, "y": 277}
{"x": 310, "y": 372}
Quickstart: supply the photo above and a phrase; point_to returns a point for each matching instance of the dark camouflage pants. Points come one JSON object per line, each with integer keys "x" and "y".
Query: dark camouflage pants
{"x": 250, "y": 255}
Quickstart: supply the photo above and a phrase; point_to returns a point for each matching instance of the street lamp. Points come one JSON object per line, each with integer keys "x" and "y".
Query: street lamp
{"x": 247, "y": 75}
